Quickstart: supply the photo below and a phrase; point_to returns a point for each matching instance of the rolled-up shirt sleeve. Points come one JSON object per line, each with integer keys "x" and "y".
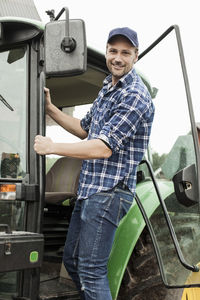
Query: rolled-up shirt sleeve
{"x": 124, "y": 121}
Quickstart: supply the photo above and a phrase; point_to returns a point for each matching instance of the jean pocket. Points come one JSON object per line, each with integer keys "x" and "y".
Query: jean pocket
{"x": 97, "y": 206}
{"x": 124, "y": 207}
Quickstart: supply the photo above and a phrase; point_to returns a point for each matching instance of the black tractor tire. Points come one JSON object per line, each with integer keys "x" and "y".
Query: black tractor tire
{"x": 142, "y": 280}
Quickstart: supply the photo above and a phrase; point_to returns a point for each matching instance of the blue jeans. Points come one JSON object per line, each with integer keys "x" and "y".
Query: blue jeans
{"x": 90, "y": 238}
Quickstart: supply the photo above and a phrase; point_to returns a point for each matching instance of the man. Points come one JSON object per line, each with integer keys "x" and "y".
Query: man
{"x": 117, "y": 130}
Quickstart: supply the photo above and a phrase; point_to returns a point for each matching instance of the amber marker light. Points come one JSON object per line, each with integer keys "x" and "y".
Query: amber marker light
{"x": 7, "y": 191}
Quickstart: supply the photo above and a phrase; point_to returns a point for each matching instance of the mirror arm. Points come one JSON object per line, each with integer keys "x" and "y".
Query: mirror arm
{"x": 68, "y": 43}
{"x": 51, "y": 14}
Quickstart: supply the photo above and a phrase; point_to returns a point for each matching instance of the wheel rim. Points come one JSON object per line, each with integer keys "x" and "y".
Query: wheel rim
{"x": 192, "y": 293}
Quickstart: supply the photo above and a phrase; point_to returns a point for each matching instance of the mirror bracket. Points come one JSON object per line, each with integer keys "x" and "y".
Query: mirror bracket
{"x": 51, "y": 14}
{"x": 68, "y": 43}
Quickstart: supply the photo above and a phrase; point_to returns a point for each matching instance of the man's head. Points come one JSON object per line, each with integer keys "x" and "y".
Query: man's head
{"x": 121, "y": 52}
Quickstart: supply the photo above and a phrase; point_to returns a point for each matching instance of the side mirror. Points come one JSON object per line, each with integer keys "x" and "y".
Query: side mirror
{"x": 185, "y": 185}
{"x": 65, "y": 47}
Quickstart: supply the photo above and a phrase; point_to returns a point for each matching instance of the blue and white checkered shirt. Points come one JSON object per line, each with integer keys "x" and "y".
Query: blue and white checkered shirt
{"x": 122, "y": 117}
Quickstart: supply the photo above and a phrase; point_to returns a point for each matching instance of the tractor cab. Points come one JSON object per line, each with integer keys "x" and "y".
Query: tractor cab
{"x": 37, "y": 193}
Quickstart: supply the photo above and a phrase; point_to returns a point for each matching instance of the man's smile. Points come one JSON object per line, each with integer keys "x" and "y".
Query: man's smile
{"x": 117, "y": 66}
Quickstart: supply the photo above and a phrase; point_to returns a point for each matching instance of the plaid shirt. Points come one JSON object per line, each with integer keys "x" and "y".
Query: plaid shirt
{"x": 122, "y": 117}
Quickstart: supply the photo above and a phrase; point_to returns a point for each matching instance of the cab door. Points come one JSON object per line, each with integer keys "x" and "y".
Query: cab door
{"x": 21, "y": 180}
{"x": 174, "y": 226}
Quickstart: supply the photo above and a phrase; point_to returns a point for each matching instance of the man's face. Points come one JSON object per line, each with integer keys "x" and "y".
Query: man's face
{"x": 120, "y": 57}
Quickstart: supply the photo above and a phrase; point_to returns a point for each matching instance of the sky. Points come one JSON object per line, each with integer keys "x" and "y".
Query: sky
{"x": 150, "y": 18}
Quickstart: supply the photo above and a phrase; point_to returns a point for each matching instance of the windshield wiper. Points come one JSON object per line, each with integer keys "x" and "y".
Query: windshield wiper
{"x": 6, "y": 103}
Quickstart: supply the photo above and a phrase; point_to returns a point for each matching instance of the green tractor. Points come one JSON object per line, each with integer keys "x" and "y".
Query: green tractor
{"x": 156, "y": 252}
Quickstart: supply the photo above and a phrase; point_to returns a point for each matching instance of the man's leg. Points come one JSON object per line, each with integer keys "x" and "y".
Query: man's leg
{"x": 70, "y": 257}
{"x": 100, "y": 216}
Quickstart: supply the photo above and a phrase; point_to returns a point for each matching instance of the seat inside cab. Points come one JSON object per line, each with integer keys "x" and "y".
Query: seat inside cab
{"x": 62, "y": 180}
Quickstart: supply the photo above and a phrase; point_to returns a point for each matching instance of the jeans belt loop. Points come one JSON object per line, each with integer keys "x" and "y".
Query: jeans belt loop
{"x": 122, "y": 186}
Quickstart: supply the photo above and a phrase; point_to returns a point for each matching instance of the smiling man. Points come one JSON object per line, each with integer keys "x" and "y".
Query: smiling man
{"x": 117, "y": 129}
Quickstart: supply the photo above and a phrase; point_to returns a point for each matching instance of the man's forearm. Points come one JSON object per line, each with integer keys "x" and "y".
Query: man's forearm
{"x": 69, "y": 123}
{"x": 91, "y": 149}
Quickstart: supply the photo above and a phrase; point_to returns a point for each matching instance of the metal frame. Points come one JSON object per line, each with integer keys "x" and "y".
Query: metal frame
{"x": 30, "y": 279}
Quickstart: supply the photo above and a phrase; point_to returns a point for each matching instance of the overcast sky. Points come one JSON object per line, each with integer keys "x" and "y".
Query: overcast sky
{"x": 150, "y": 18}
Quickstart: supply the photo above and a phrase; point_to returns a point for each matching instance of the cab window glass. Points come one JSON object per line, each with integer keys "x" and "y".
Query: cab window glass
{"x": 13, "y": 103}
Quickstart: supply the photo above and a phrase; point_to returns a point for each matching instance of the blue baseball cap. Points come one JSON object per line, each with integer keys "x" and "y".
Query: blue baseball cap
{"x": 130, "y": 34}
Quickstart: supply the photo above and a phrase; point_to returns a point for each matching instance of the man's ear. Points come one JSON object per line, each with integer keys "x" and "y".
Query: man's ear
{"x": 106, "y": 50}
{"x": 136, "y": 57}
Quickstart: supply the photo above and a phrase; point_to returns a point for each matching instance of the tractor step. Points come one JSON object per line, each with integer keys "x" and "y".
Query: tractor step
{"x": 58, "y": 289}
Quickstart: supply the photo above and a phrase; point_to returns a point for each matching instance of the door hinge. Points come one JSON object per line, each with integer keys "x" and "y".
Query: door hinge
{"x": 27, "y": 192}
